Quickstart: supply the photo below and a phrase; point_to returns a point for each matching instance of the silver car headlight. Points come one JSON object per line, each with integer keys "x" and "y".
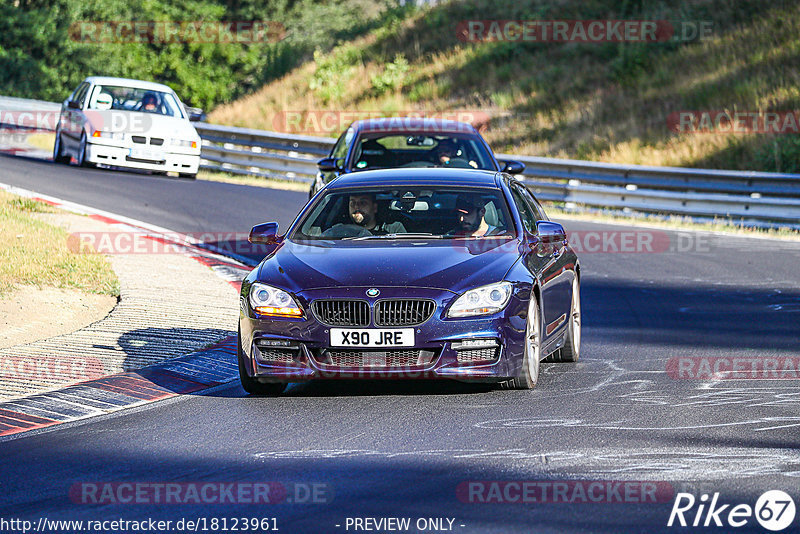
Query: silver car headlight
{"x": 268, "y": 300}
{"x": 484, "y": 300}
{"x": 185, "y": 143}
{"x": 117, "y": 136}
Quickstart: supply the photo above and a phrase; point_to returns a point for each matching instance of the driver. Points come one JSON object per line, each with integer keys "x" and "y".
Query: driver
{"x": 104, "y": 101}
{"x": 447, "y": 155}
{"x": 470, "y": 210}
{"x": 363, "y": 210}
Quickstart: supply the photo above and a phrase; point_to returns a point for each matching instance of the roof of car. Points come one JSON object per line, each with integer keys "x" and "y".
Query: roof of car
{"x": 126, "y": 82}
{"x": 414, "y": 176}
{"x": 413, "y": 124}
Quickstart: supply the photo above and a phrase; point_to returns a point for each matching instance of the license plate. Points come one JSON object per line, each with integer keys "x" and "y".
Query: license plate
{"x": 372, "y": 337}
{"x": 143, "y": 153}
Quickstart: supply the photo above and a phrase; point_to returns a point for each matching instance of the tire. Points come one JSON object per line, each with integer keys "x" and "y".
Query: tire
{"x": 253, "y": 386}
{"x": 571, "y": 350}
{"x": 58, "y": 151}
{"x": 189, "y": 175}
{"x": 81, "y": 160}
{"x": 529, "y": 374}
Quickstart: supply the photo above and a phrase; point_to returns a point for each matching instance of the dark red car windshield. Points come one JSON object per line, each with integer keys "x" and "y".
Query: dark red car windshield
{"x": 381, "y": 150}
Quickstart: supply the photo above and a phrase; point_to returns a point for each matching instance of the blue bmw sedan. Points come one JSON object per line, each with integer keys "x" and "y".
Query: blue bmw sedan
{"x": 411, "y": 273}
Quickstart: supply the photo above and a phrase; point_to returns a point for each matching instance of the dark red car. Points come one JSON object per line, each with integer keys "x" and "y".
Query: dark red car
{"x": 394, "y": 142}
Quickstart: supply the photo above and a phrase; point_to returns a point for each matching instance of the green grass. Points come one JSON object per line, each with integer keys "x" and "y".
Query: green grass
{"x": 33, "y": 252}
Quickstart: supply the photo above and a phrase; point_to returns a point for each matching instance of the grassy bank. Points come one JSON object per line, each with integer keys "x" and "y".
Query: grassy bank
{"x": 33, "y": 252}
{"x": 606, "y": 102}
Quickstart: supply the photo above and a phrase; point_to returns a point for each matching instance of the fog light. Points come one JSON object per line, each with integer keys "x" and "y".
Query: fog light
{"x": 280, "y": 343}
{"x": 468, "y": 344}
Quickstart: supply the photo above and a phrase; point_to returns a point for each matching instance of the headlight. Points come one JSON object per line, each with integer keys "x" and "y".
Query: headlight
{"x": 183, "y": 143}
{"x": 118, "y": 136}
{"x": 484, "y": 300}
{"x": 268, "y": 300}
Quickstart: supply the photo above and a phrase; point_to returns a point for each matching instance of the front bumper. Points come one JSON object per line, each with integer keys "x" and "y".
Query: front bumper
{"x": 301, "y": 348}
{"x": 116, "y": 156}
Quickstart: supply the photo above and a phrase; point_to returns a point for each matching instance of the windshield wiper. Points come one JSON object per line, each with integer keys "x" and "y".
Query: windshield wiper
{"x": 394, "y": 236}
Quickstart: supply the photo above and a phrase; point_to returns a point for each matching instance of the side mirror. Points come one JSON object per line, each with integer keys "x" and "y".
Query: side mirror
{"x": 550, "y": 232}
{"x": 513, "y": 167}
{"x": 328, "y": 164}
{"x": 195, "y": 114}
{"x": 73, "y": 104}
{"x": 265, "y": 234}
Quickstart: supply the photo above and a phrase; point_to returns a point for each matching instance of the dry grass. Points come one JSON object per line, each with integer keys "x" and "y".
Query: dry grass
{"x": 238, "y": 179}
{"x": 33, "y": 252}
{"x": 601, "y": 102}
{"x": 675, "y": 222}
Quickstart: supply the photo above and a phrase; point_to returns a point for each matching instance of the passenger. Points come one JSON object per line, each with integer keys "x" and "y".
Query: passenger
{"x": 470, "y": 211}
{"x": 149, "y": 103}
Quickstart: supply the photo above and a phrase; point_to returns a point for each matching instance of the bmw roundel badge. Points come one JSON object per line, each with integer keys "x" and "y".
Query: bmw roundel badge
{"x": 373, "y": 292}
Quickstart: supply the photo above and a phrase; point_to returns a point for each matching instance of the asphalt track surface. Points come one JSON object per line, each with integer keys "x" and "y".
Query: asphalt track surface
{"x": 406, "y": 449}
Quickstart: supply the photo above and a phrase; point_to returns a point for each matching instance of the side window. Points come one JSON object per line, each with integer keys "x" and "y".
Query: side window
{"x": 339, "y": 149}
{"x": 82, "y": 95}
{"x": 528, "y": 218}
{"x": 343, "y": 144}
{"x": 534, "y": 204}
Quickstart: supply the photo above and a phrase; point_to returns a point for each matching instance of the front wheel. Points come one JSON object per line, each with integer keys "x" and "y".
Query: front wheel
{"x": 82, "y": 148}
{"x": 189, "y": 175}
{"x": 253, "y": 386}
{"x": 529, "y": 374}
{"x": 58, "y": 150}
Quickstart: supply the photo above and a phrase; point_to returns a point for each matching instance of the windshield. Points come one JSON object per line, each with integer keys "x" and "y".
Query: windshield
{"x": 380, "y": 150}
{"x": 408, "y": 213}
{"x": 117, "y": 97}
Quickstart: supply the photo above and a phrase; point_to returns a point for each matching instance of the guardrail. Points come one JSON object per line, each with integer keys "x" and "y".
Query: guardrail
{"x": 753, "y": 198}
{"x": 747, "y": 196}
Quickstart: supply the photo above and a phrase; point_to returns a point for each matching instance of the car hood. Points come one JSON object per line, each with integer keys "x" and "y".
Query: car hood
{"x": 137, "y": 123}
{"x": 454, "y": 265}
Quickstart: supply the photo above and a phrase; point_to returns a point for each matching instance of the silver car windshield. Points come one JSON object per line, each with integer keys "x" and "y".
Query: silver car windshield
{"x": 118, "y": 97}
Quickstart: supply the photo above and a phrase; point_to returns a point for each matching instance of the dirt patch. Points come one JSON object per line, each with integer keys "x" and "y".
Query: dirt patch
{"x": 30, "y": 313}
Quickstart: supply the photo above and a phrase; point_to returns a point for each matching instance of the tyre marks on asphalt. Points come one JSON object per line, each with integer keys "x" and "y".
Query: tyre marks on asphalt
{"x": 188, "y": 374}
